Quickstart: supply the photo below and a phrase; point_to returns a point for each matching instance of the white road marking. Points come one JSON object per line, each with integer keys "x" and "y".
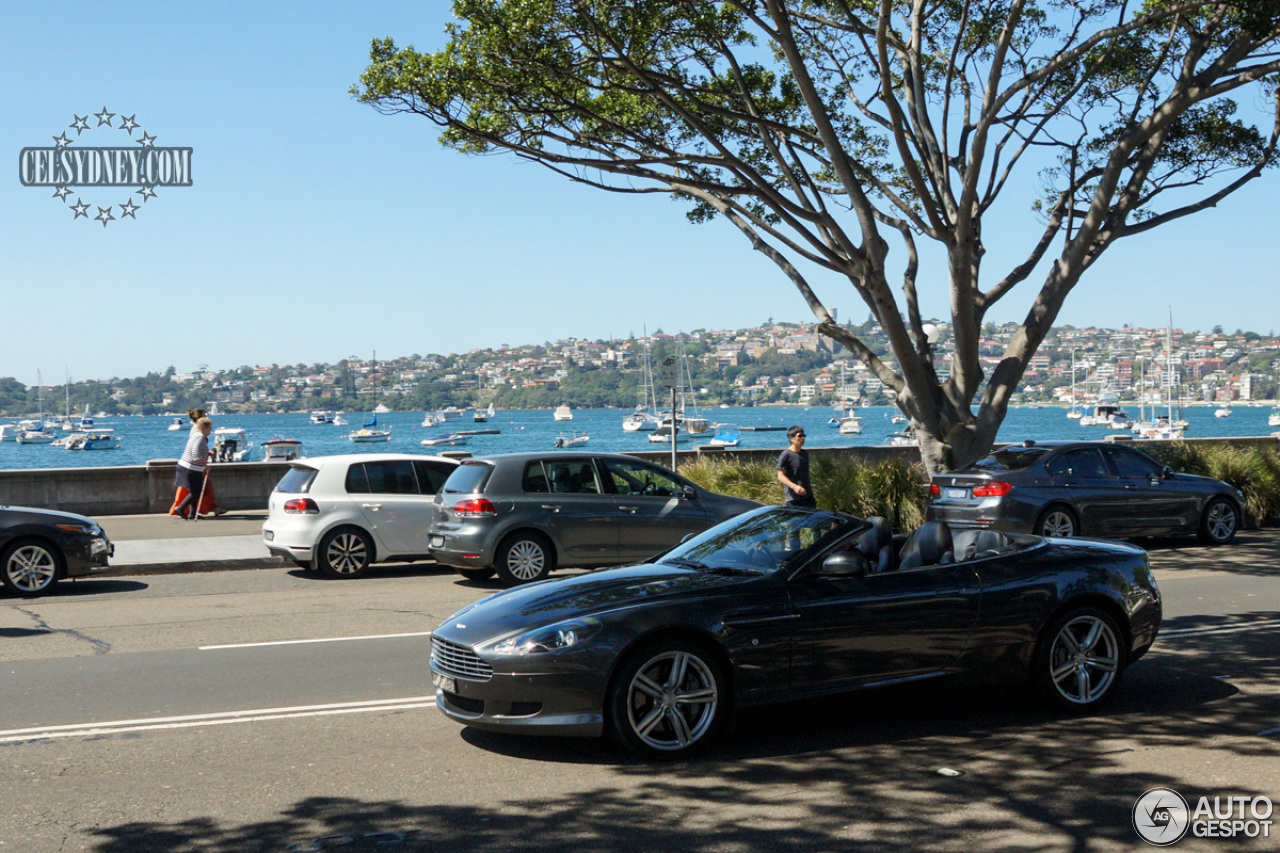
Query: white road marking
{"x": 1235, "y": 627}
{"x": 318, "y": 640}
{"x": 215, "y": 719}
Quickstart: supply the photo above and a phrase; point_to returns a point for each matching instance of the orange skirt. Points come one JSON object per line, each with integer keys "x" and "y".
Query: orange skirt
{"x": 208, "y": 503}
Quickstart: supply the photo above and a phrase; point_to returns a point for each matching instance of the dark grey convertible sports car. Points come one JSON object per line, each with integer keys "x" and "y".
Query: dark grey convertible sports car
{"x": 784, "y": 603}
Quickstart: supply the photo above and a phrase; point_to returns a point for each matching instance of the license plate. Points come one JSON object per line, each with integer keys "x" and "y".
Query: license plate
{"x": 444, "y": 682}
{"x": 269, "y": 535}
{"x": 956, "y": 494}
{"x": 437, "y": 541}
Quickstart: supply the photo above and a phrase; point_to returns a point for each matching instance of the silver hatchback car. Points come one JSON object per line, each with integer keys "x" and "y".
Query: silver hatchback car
{"x": 522, "y": 515}
{"x": 339, "y": 514}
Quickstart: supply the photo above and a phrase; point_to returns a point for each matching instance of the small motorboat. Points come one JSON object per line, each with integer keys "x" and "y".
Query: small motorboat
{"x": 662, "y": 435}
{"x": 230, "y": 444}
{"x": 562, "y": 413}
{"x": 727, "y": 435}
{"x": 94, "y": 439}
{"x": 445, "y": 439}
{"x": 572, "y": 439}
{"x": 281, "y": 449}
{"x": 175, "y": 425}
{"x": 36, "y": 436}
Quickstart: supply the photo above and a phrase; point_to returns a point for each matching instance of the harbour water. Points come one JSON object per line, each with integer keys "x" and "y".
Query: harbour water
{"x": 141, "y": 439}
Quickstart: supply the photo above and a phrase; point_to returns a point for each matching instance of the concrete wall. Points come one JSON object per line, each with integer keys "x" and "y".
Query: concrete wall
{"x": 141, "y": 489}
{"x": 134, "y": 489}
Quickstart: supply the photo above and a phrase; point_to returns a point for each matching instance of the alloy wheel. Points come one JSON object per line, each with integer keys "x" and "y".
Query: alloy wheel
{"x": 672, "y": 701}
{"x": 1220, "y": 521}
{"x": 1084, "y": 659}
{"x": 347, "y": 554}
{"x": 30, "y": 569}
{"x": 526, "y": 560}
{"x": 1058, "y": 523}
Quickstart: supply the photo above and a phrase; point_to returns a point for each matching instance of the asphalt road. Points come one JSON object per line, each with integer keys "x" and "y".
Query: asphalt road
{"x": 273, "y": 711}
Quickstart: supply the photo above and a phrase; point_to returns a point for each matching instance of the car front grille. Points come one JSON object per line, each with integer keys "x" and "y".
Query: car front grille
{"x": 453, "y": 659}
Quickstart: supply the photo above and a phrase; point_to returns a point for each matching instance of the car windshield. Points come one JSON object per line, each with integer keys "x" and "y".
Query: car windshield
{"x": 1008, "y": 459}
{"x": 765, "y": 540}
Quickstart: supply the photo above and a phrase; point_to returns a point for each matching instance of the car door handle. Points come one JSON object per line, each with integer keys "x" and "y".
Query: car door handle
{"x": 551, "y": 507}
{"x": 373, "y": 507}
{"x": 630, "y": 509}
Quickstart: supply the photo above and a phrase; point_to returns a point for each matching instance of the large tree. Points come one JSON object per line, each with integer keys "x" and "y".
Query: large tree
{"x": 829, "y": 131}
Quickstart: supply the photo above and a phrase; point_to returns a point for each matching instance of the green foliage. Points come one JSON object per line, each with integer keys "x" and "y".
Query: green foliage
{"x": 894, "y": 489}
{"x": 1254, "y": 470}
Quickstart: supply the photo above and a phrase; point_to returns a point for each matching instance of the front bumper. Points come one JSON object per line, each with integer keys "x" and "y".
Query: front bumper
{"x": 560, "y": 704}
{"x": 89, "y": 556}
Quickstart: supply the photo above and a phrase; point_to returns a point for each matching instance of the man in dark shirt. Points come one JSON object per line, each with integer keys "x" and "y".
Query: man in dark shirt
{"x": 793, "y": 470}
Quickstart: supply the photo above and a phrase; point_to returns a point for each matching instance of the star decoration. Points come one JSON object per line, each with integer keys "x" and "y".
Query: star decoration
{"x": 81, "y": 124}
{"x": 146, "y": 193}
{"x": 62, "y": 140}
{"x": 127, "y": 124}
{"x": 129, "y": 209}
{"x": 80, "y": 208}
{"x": 62, "y": 193}
{"x": 104, "y": 117}
{"x": 104, "y": 215}
{"x": 147, "y": 140}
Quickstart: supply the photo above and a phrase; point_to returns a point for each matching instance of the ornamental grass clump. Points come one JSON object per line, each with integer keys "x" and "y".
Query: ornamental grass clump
{"x": 757, "y": 481}
{"x": 1254, "y": 471}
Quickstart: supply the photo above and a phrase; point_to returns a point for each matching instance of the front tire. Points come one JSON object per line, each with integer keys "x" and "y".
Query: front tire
{"x": 1080, "y": 659}
{"x": 344, "y": 553}
{"x": 524, "y": 558}
{"x": 1219, "y": 523}
{"x": 1058, "y": 522}
{"x": 30, "y": 568}
{"x": 668, "y": 699}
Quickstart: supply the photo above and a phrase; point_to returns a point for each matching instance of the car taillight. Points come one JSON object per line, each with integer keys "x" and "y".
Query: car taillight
{"x": 304, "y": 505}
{"x": 474, "y": 508}
{"x": 934, "y": 491}
{"x": 994, "y": 489}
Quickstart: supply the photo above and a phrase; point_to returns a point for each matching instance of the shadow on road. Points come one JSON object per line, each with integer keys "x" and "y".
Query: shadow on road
{"x": 861, "y": 771}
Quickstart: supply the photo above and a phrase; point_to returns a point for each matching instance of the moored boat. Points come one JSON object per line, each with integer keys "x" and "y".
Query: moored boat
{"x": 281, "y": 449}
{"x": 562, "y": 413}
{"x": 445, "y": 439}
{"x": 727, "y": 435}
{"x": 572, "y": 439}
{"x": 95, "y": 439}
{"x": 230, "y": 444}
{"x": 175, "y": 425}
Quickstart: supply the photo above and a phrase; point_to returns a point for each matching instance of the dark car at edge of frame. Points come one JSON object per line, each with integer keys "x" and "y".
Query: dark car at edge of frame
{"x": 39, "y": 547}
{"x": 786, "y": 603}
{"x": 1084, "y": 488}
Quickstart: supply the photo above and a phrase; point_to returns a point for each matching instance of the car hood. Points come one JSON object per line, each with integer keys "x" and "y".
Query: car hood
{"x": 44, "y": 516}
{"x": 544, "y": 603}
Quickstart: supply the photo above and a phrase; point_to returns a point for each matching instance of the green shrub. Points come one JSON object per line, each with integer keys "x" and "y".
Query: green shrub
{"x": 894, "y": 489}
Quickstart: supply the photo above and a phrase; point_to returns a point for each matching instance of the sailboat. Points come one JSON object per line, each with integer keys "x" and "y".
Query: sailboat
{"x": 370, "y": 432}
{"x": 482, "y": 417}
{"x": 34, "y": 431}
{"x": 643, "y": 418}
{"x": 1077, "y": 411}
{"x": 1166, "y": 428}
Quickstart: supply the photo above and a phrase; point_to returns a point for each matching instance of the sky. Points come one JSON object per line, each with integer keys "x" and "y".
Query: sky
{"x": 316, "y": 228}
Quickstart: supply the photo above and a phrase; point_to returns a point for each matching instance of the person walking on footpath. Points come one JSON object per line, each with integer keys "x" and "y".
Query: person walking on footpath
{"x": 190, "y": 473}
{"x": 793, "y": 470}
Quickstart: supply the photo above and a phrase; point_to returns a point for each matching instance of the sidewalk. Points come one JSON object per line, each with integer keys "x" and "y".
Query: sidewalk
{"x": 154, "y": 544}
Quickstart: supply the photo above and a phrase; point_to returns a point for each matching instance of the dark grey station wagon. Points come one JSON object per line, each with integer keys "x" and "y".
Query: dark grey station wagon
{"x": 1084, "y": 488}
{"x": 522, "y": 515}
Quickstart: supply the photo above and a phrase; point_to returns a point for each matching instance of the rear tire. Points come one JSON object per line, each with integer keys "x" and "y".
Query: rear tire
{"x": 344, "y": 553}
{"x": 30, "y": 567}
{"x": 524, "y": 558}
{"x": 1220, "y": 522}
{"x": 1080, "y": 659}
{"x": 1057, "y": 521}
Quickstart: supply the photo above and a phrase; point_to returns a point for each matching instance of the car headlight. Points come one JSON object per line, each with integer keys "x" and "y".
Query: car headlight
{"x": 550, "y": 638}
{"x": 89, "y": 529}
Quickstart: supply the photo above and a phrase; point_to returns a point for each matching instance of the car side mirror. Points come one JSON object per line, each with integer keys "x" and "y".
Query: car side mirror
{"x": 846, "y": 564}
{"x": 689, "y": 493}
{"x": 1167, "y": 473}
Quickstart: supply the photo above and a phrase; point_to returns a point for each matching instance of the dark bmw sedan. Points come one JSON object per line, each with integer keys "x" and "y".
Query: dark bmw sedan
{"x": 39, "y": 547}
{"x": 784, "y": 603}
{"x": 1084, "y": 488}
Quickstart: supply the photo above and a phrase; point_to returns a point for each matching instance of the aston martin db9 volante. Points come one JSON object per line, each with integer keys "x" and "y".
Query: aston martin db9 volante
{"x": 783, "y": 603}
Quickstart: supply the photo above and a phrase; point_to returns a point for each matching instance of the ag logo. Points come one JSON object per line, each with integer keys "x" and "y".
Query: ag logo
{"x": 1161, "y": 817}
{"x": 141, "y": 164}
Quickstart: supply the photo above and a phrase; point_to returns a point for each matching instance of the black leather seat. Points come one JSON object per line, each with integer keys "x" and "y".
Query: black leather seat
{"x": 928, "y": 545}
{"x": 876, "y": 544}
{"x": 976, "y": 543}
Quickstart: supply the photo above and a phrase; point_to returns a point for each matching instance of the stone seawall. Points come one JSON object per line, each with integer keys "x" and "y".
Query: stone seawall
{"x": 134, "y": 489}
{"x": 144, "y": 489}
